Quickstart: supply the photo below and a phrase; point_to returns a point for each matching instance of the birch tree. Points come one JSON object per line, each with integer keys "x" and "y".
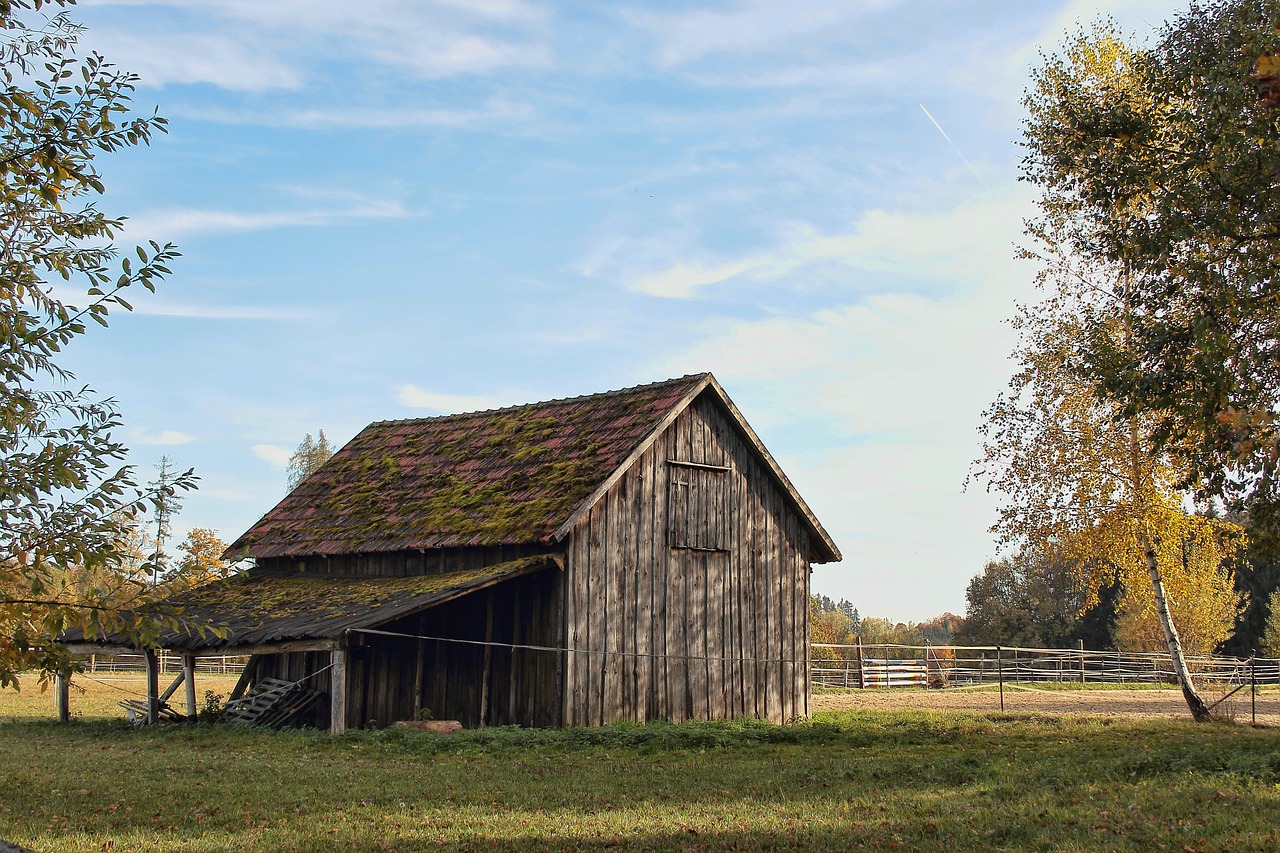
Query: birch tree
{"x": 1082, "y": 480}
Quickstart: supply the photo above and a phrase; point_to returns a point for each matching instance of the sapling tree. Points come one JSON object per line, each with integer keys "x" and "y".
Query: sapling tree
{"x": 67, "y": 501}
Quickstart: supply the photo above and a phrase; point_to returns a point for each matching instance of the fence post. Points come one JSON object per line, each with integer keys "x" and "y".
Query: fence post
{"x": 862, "y": 673}
{"x": 1082, "y": 661}
{"x": 1000, "y": 674}
{"x": 1253, "y": 687}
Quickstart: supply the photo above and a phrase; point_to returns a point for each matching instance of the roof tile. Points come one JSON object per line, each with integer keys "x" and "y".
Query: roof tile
{"x": 505, "y": 476}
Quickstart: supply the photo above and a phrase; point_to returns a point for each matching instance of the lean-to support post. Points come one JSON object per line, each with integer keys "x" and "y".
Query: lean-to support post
{"x": 153, "y": 686}
{"x": 62, "y": 696}
{"x": 338, "y": 692}
{"x": 189, "y": 676}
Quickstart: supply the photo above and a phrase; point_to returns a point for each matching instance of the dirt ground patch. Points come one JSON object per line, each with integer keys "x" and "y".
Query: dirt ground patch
{"x": 1123, "y": 703}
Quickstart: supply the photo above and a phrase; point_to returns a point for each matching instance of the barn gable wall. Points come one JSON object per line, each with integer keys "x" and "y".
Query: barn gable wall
{"x": 704, "y": 616}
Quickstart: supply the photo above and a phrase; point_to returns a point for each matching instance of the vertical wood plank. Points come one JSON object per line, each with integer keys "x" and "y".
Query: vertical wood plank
{"x": 486, "y": 658}
{"x": 596, "y": 606}
{"x": 614, "y": 569}
{"x": 660, "y": 704}
{"x": 338, "y": 692}
{"x": 646, "y": 532}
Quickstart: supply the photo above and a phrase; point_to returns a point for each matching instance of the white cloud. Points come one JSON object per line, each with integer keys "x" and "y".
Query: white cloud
{"x": 747, "y": 27}
{"x": 237, "y": 62}
{"x": 496, "y": 111}
{"x": 939, "y": 245}
{"x": 161, "y": 438}
{"x": 151, "y": 307}
{"x": 273, "y": 454}
{"x": 419, "y": 398}
{"x": 281, "y": 44}
{"x": 175, "y": 221}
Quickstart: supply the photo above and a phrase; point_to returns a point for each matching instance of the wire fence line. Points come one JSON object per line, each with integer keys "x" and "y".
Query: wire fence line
{"x": 895, "y": 665}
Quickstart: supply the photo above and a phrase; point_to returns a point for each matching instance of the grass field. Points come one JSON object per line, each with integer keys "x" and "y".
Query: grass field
{"x": 912, "y": 780}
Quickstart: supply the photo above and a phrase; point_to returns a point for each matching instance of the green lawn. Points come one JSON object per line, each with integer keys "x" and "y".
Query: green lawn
{"x": 908, "y": 780}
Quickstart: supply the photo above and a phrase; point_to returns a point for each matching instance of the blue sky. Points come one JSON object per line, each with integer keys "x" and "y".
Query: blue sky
{"x": 406, "y": 208}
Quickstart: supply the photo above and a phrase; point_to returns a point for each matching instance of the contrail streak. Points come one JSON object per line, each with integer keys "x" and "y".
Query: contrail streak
{"x": 952, "y": 144}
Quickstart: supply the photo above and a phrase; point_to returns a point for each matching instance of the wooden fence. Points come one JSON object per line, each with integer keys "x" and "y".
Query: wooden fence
{"x": 893, "y": 665}
{"x": 209, "y": 665}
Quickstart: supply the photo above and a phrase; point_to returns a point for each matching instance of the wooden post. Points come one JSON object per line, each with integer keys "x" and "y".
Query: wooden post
{"x": 153, "y": 686}
{"x": 862, "y": 673}
{"x": 1082, "y": 661}
{"x": 189, "y": 675}
{"x": 484, "y": 669}
{"x": 62, "y": 696}
{"x": 338, "y": 692}
{"x": 1000, "y": 674}
{"x": 246, "y": 676}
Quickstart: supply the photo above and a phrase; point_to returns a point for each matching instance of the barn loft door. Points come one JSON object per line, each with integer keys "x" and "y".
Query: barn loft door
{"x": 698, "y": 506}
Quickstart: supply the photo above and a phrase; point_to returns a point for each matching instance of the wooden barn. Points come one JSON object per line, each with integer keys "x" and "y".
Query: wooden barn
{"x": 631, "y": 555}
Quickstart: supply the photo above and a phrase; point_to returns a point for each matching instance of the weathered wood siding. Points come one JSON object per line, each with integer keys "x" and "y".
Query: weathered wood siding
{"x": 704, "y": 616}
{"x": 400, "y": 563}
{"x": 456, "y": 681}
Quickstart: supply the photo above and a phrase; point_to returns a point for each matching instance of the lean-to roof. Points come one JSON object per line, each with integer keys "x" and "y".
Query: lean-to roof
{"x": 257, "y": 609}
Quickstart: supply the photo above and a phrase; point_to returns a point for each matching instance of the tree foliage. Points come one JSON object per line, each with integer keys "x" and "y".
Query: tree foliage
{"x": 1270, "y": 646}
{"x": 201, "y": 560}
{"x": 1024, "y": 600}
{"x": 66, "y": 499}
{"x": 1162, "y": 161}
{"x": 307, "y": 459}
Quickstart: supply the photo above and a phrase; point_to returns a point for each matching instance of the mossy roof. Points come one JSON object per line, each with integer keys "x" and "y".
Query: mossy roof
{"x": 506, "y": 476}
{"x": 254, "y": 609}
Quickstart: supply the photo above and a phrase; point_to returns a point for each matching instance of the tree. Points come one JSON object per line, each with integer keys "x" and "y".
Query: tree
{"x": 1082, "y": 478}
{"x": 165, "y": 503}
{"x": 1205, "y": 610}
{"x": 66, "y": 499}
{"x": 307, "y": 459}
{"x": 1271, "y": 636}
{"x": 1162, "y": 162}
{"x": 201, "y": 561}
{"x": 1023, "y": 600}
{"x": 1090, "y": 465}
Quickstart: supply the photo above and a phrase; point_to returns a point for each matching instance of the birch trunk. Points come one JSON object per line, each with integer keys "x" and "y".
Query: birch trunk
{"x": 1199, "y": 711}
{"x": 1138, "y": 472}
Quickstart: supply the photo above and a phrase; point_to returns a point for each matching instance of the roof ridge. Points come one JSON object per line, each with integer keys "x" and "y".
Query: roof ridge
{"x": 690, "y": 377}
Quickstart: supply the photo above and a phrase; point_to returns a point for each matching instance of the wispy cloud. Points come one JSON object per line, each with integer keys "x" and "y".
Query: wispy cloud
{"x": 273, "y": 454}
{"x": 937, "y": 244}
{"x": 159, "y": 439}
{"x": 419, "y": 398}
{"x": 746, "y": 27}
{"x": 496, "y": 111}
{"x": 257, "y": 46}
{"x": 175, "y": 221}
{"x": 151, "y": 307}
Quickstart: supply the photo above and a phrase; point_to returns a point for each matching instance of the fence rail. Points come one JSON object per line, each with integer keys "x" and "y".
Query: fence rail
{"x": 867, "y": 665}
{"x": 209, "y": 665}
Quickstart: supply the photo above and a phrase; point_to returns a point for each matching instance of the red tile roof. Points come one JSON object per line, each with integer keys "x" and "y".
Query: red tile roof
{"x": 506, "y": 476}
